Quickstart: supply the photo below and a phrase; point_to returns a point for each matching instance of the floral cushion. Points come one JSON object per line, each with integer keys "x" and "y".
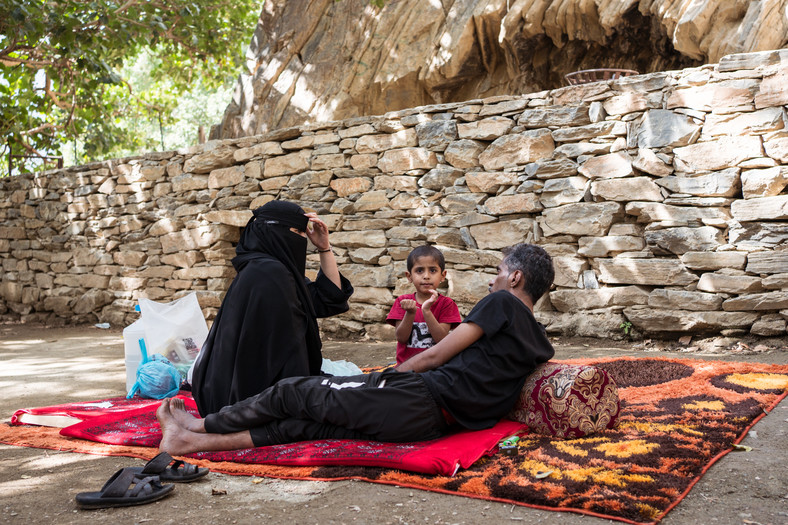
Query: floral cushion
{"x": 567, "y": 401}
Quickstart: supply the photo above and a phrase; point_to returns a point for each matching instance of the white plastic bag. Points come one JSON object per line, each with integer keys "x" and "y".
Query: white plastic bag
{"x": 175, "y": 330}
{"x": 340, "y": 368}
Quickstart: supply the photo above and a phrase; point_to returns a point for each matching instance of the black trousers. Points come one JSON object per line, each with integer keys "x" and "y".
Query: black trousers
{"x": 384, "y": 406}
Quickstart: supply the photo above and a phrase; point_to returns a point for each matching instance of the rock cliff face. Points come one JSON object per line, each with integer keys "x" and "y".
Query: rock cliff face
{"x": 323, "y": 60}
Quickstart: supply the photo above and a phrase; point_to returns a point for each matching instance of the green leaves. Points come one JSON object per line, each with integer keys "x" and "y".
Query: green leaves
{"x": 80, "y": 47}
{"x": 626, "y": 327}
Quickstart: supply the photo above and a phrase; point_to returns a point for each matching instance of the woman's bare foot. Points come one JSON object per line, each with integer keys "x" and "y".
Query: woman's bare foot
{"x": 184, "y": 418}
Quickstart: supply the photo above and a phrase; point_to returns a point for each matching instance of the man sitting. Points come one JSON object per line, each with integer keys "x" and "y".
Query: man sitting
{"x": 472, "y": 377}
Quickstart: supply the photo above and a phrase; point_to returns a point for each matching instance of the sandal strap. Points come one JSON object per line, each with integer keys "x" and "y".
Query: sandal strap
{"x": 120, "y": 484}
{"x": 117, "y": 484}
{"x": 144, "y": 486}
{"x": 158, "y": 464}
{"x": 186, "y": 469}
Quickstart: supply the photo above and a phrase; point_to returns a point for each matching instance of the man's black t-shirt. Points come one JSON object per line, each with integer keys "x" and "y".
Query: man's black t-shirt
{"x": 480, "y": 385}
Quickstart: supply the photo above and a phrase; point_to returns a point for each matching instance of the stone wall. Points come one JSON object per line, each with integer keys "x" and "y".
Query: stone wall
{"x": 661, "y": 197}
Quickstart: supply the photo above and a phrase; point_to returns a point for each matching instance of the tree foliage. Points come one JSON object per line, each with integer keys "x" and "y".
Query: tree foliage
{"x": 163, "y": 116}
{"x": 61, "y": 63}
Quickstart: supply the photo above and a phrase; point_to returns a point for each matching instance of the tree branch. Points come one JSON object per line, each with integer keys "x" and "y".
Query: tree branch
{"x": 133, "y": 22}
{"x": 54, "y": 96}
{"x": 125, "y": 6}
{"x": 32, "y": 64}
{"x": 42, "y": 127}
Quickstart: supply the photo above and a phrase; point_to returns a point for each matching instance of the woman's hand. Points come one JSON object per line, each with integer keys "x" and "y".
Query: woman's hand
{"x": 317, "y": 232}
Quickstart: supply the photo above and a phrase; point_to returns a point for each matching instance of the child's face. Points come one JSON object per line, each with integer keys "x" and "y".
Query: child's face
{"x": 426, "y": 274}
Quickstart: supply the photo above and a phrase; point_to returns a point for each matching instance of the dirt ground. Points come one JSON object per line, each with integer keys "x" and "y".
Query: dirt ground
{"x": 45, "y": 366}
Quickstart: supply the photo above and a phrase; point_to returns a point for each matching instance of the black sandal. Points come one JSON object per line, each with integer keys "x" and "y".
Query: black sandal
{"x": 179, "y": 471}
{"x": 125, "y": 489}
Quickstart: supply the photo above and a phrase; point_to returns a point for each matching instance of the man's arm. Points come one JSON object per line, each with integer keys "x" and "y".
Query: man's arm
{"x": 454, "y": 343}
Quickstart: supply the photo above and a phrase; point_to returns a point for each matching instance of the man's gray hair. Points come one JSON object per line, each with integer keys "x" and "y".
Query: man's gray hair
{"x": 536, "y": 266}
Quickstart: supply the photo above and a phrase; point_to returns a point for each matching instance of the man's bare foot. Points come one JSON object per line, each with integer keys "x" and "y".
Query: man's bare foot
{"x": 184, "y": 418}
{"x": 175, "y": 440}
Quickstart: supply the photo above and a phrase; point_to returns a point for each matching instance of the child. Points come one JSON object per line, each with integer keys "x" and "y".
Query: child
{"x": 425, "y": 317}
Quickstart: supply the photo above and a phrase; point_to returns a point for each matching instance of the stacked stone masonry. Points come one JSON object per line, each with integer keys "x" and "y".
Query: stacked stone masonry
{"x": 661, "y": 197}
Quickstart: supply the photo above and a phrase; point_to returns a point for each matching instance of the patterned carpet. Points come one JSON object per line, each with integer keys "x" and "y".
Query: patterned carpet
{"x": 678, "y": 417}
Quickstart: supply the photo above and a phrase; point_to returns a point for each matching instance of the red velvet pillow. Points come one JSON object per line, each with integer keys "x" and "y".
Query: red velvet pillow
{"x": 567, "y": 401}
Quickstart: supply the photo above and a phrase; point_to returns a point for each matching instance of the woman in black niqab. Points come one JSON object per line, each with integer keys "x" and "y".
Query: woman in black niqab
{"x": 266, "y": 328}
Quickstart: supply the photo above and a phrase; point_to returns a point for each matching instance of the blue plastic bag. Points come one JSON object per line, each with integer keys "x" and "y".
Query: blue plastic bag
{"x": 157, "y": 378}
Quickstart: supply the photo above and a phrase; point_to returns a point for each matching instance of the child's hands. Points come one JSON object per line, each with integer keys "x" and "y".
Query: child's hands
{"x": 409, "y": 305}
{"x": 427, "y": 306}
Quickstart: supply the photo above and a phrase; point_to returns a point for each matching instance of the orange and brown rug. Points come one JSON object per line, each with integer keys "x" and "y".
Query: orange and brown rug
{"x": 678, "y": 417}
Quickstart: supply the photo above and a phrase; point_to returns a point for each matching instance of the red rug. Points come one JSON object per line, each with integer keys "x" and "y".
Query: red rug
{"x": 443, "y": 456}
{"x": 678, "y": 418}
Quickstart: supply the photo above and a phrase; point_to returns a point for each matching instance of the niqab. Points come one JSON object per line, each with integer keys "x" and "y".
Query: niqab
{"x": 268, "y": 233}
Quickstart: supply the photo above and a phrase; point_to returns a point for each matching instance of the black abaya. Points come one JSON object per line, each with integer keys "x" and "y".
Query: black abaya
{"x": 266, "y": 328}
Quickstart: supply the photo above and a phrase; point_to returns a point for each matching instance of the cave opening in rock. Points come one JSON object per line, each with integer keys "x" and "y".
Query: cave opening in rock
{"x": 640, "y": 43}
